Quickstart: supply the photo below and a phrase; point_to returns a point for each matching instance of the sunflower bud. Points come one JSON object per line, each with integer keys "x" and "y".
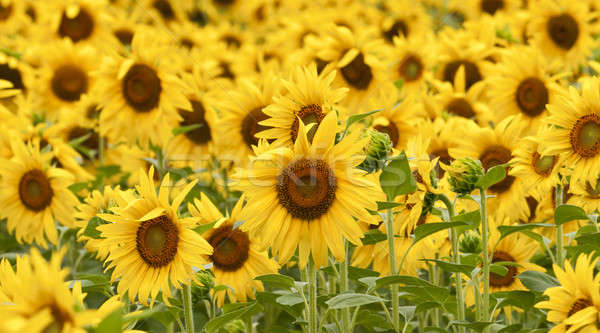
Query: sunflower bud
{"x": 470, "y": 243}
{"x": 205, "y": 278}
{"x": 377, "y": 151}
{"x": 464, "y": 174}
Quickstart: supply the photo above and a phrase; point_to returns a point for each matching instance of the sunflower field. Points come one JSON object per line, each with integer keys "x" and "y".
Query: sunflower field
{"x": 301, "y": 166}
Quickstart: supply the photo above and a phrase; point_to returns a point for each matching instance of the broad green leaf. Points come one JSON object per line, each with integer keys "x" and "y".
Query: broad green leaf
{"x": 290, "y": 299}
{"x": 90, "y": 229}
{"x": 204, "y": 227}
{"x": 591, "y": 239}
{"x": 506, "y": 230}
{"x": 184, "y": 129}
{"x": 112, "y": 323}
{"x": 498, "y": 269}
{"x": 358, "y": 117}
{"x": 354, "y": 273}
{"x": 396, "y": 178}
{"x": 271, "y": 298}
{"x": 373, "y": 236}
{"x": 566, "y": 213}
{"x": 493, "y": 176}
{"x": 249, "y": 309}
{"x": 472, "y": 218}
{"x": 276, "y": 281}
{"x": 402, "y": 279}
{"x": 108, "y": 171}
{"x": 519, "y": 298}
{"x": 537, "y": 281}
{"x": 476, "y": 325}
{"x": 452, "y": 267}
{"x": 383, "y": 205}
{"x": 350, "y": 300}
{"x": 76, "y": 187}
{"x": 427, "y": 229}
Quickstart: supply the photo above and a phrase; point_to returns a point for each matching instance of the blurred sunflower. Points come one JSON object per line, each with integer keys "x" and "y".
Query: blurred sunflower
{"x": 474, "y": 9}
{"x": 404, "y": 19}
{"x": 237, "y": 257}
{"x": 305, "y": 196}
{"x": 150, "y": 246}
{"x": 34, "y": 195}
{"x": 411, "y": 62}
{"x": 78, "y": 20}
{"x": 586, "y": 194}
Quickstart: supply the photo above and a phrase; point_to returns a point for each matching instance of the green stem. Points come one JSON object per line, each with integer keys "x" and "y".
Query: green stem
{"x": 312, "y": 297}
{"x": 188, "y": 311}
{"x": 248, "y": 324}
{"x": 101, "y": 147}
{"x": 560, "y": 254}
{"x": 421, "y": 322}
{"x": 433, "y": 271}
{"x": 392, "y": 255}
{"x": 486, "y": 257}
{"x": 456, "y": 259}
{"x": 343, "y": 288}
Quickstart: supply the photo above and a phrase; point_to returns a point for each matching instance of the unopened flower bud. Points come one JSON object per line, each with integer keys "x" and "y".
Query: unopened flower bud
{"x": 464, "y": 174}
{"x": 377, "y": 151}
{"x": 470, "y": 243}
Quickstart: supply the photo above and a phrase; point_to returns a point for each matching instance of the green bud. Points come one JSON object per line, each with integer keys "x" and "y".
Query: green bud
{"x": 464, "y": 174}
{"x": 470, "y": 243}
{"x": 377, "y": 151}
{"x": 206, "y": 278}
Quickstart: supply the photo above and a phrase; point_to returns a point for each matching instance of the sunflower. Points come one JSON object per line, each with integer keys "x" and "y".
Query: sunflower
{"x": 12, "y": 16}
{"x": 411, "y": 62}
{"x": 474, "y": 9}
{"x": 237, "y": 258}
{"x": 123, "y": 26}
{"x": 19, "y": 73}
{"x": 150, "y": 246}
{"x": 574, "y": 305}
{"x": 575, "y": 133}
{"x": 242, "y": 113}
{"x": 563, "y": 30}
{"x": 538, "y": 172}
{"x": 305, "y": 196}
{"x": 306, "y": 96}
{"x": 38, "y": 296}
{"x": 495, "y": 147}
{"x": 138, "y": 90}
{"x": 33, "y": 195}
{"x": 404, "y": 19}
{"x": 586, "y": 195}
{"x": 522, "y": 83}
{"x": 77, "y": 20}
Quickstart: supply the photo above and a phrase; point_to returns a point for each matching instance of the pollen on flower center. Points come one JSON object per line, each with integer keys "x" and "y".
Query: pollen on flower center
{"x": 306, "y": 188}
{"x": 532, "y": 96}
{"x": 69, "y": 82}
{"x": 578, "y": 305}
{"x": 77, "y": 28}
{"x": 157, "y": 241}
{"x": 357, "y": 73}
{"x": 141, "y": 88}
{"x": 411, "y": 68}
{"x": 231, "y": 248}
{"x": 563, "y": 30}
{"x": 310, "y": 114}
{"x": 585, "y": 136}
{"x": 251, "y": 126}
{"x": 543, "y": 165}
{"x": 35, "y": 190}
{"x": 497, "y": 280}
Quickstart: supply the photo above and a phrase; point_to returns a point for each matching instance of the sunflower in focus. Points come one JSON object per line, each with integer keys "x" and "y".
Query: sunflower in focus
{"x": 237, "y": 258}
{"x": 538, "y": 172}
{"x": 576, "y": 131}
{"x": 141, "y": 96}
{"x": 306, "y": 196}
{"x": 37, "y": 297}
{"x": 306, "y": 97}
{"x": 34, "y": 195}
{"x": 563, "y": 29}
{"x": 574, "y": 305}
{"x": 150, "y": 246}
{"x": 586, "y": 194}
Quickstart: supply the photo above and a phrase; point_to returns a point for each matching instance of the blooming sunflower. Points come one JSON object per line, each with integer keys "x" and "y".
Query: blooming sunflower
{"x": 34, "y": 195}
{"x": 522, "y": 83}
{"x": 237, "y": 258}
{"x": 576, "y": 131}
{"x": 306, "y": 97}
{"x": 305, "y": 196}
{"x": 38, "y": 294}
{"x": 474, "y": 9}
{"x": 574, "y": 305}
{"x": 563, "y": 30}
{"x": 78, "y": 20}
{"x": 539, "y": 172}
{"x": 138, "y": 90}
{"x": 150, "y": 246}
{"x": 411, "y": 62}
{"x": 404, "y": 19}
{"x": 586, "y": 195}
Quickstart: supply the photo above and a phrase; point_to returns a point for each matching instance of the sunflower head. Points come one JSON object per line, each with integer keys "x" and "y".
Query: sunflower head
{"x": 464, "y": 174}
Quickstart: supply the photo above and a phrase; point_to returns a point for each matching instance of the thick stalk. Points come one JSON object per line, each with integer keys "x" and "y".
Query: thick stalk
{"x": 486, "y": 256}
{"x": 560, "y": 253}
{"x": 248, "y": 324}
{"x": 343, "y": 288}
{"x": 392, "y": 255}
{"x": 188, "y": 311}
{"x": 312, "y": 297}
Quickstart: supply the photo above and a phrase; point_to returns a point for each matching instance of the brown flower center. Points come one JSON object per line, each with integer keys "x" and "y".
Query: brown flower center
{"x": 60, "y": 318}
{"x": 198, "y": 16}
{"x": 5, "y": 11}
{"x": 226, "y": 70}
{"x": 411, "y": 68}
{"x": 321, "y": 64}
{"x": 491, "y": 6}
{"x": 532, "y": 96}
{"x": 231, "y": 248}
{"x": 69, "y": 82}
{"x": 13, "y": 75}
{"x": 532, "y": 203}
{"x": 563, "y": 30}
{"x": 497, "y": 155}
{"x": 124, "y": 35}
{"x": 578, "y": 305}
{"x": 77, "y": 28}
{"x": 472, "y": 74}
{"x": 391, "y": 130}
{"x": 497, "y": 280}
{"x": 251, "y": 126}
{"x": 593, "y": 191}
{"x": 585, "y": 136}
{"x": 224, "y": 2}
{"x": 93, "y": 111}
{"x": 399, "y": 27}
{"x": 91, "y": 142}
{"x": 543, "y": 165}
{"x": 306, "y": 188}
{"x": 35, "y": 190}
{"x": 444, "y": 158}
{"x": 460, "y": 107}
{"x": 310, "y": 114}
{"x": 141, "y": 88}
{"x": 202, "y": 134}
{"x": 357, "y": 73}
{"x": 165, "y": 9}
{"x": 157, "y": 240}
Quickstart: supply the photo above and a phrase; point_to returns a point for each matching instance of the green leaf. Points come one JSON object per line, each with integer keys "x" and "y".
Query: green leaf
{"x": 472, "y": 218}
{"x": 108, "y": 171}
{"x": 112, "y": 323}
{"x": 290, "y": 299}
{"x": 403, "y": 279}
{"x": 90, "y": 229}
{"x": 276, "y": 281}
{"x": 354, "y": 273}
{"x": 566, "y": 213}
{"x": 519, "y": 298}
{"x": 399, "y": 83}
{"x": 373, "y": 236}
{"x": 77, "y": 187}
{"x": 248, "y": 309}
{"x": 427, "y": 229}
{"x": 494, "y": 175}
{"x": 358, "y": 117}
{"x": 383, "y": 205}
{"x": 476, "y": 325}
{"x": 498, "y": 269}
{"x": 506, "y": 230}
{"x": 271, "y": 298}
{"x": 396, "y": 178}
{"x": 511, "y": 329}
{"x": 184, "y": 129}
{"x": 537, "y": 281}
{"x": 591, "y": 239}
{"x": 204, "y": 227}
{"x": 452, "y": 267}
{"x": 350, "y": 300}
